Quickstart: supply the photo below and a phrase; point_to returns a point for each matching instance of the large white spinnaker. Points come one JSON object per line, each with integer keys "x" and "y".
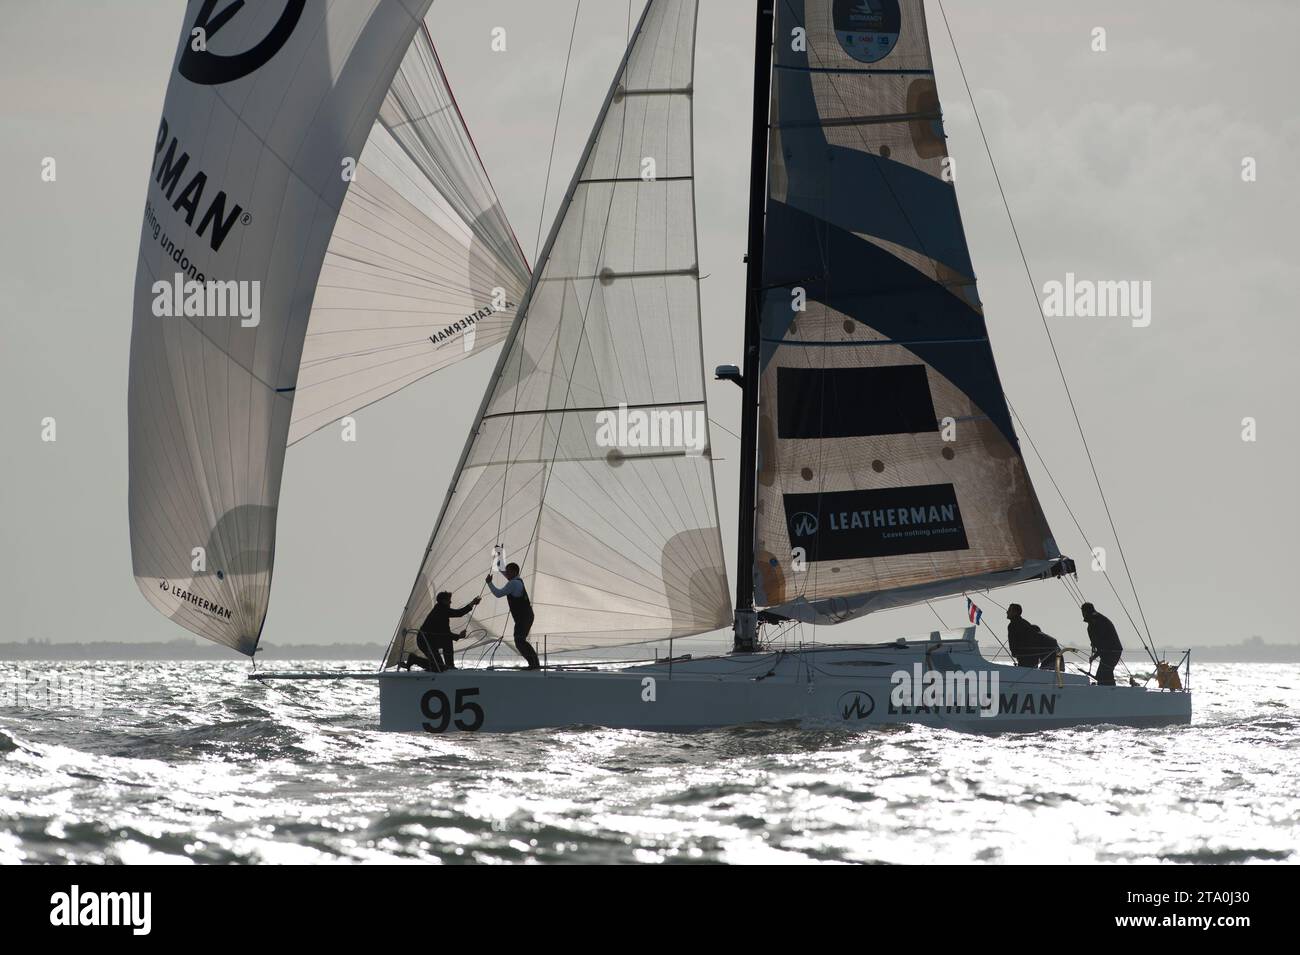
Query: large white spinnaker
{"x": 268, "y": 110}
{"x": 617, "y": 537}
{"x": 423, "y": 268}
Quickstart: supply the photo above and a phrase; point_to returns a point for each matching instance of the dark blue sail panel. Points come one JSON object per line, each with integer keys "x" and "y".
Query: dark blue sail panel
{"x": 875, "y": 288}
{"x": 868, "y": 187}
{"x": 889, "y": 470}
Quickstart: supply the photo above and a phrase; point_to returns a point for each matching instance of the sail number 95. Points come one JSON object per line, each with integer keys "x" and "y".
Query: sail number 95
{"x": 438, "y": 710}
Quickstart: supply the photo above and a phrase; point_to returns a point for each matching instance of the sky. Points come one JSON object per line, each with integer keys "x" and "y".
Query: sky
{"x": 1117, "y": 165}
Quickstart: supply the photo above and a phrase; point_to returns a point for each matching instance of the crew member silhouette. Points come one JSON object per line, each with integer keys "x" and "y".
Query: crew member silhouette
{"x": 521, "y": 609}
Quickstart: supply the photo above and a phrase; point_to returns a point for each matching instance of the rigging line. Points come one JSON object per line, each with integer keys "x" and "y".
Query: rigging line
{"x": 936, "y": 615}
{"x": 541, "y": 219}
{"x": 987, "y": 625}
{"x": 555, "y": 132}
{"x": 1001, "y": 646}
{"x": 1074, "y": 591}
{"x": 1077, "y": 526}
{"x": 585, "y": 311}
{"x": 1077, "y": 599}
{"x": 437, "y": 60}
{"x": 1047, "y": 329}
{"x": 713, "y": 421}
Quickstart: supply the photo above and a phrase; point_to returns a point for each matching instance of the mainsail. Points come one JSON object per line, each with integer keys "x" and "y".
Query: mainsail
{"x": 590, "y": 463}
{"x": 269, "y": 110}
{"x": 888, "y": 469}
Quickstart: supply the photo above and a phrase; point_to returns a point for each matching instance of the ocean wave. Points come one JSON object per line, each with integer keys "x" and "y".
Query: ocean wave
{"x": 194, "y": 763}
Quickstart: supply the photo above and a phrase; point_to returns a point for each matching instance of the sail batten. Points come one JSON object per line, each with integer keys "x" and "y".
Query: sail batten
{"x": 889, "y": 471}
{"x": 617, "y": 537}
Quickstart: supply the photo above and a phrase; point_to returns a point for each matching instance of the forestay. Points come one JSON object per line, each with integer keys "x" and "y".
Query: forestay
{"x": 888, "y": 468}
{"x": 589, "y": 464}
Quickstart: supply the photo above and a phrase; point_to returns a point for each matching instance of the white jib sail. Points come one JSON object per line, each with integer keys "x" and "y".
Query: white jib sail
{"x": 590, "y": 464}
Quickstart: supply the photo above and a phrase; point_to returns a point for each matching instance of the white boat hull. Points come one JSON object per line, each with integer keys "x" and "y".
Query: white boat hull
{"x": 838, "y": 686}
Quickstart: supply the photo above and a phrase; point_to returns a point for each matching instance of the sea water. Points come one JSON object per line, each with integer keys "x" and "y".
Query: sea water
{"x": 191, "y": 762}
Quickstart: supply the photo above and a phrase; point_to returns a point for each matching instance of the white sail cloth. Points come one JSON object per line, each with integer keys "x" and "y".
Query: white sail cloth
{"x": 590, "y": 463}
{"x": 268, "y": 110}
{"x": 423, "y": 268}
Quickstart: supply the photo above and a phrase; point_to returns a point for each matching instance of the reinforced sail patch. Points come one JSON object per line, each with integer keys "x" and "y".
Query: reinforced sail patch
{"x": 867, "y": 29}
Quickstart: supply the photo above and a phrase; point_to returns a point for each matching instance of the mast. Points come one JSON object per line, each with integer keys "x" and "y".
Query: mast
{"x": 745, "y": 627}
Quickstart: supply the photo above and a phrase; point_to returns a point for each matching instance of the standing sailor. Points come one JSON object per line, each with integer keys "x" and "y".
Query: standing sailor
{"x": 521, "y": 608}
{"x": 1105, "y": 644}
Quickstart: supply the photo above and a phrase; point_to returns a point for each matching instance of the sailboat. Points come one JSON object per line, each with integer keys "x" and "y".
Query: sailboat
{"x": 879, "y": 466}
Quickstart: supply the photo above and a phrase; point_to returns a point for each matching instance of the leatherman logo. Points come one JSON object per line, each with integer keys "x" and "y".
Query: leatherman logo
{"x": 804, "y": 524}
{"x": 468, "y": 322}
{"x": 169, "y": 168}
{"x": 198, "y": 65}
{"x": 856, "y": 705}
{"x": 884, "y": 522}
{"x": 194, "y": 599}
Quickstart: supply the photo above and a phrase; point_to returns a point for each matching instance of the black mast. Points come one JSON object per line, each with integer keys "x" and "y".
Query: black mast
{"x": 745, "y": 627}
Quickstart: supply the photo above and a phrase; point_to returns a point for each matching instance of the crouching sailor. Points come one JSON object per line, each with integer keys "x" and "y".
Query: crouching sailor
{"x": 1029, "y": 645}
{"x": 1105, "y": 644}
{"x": 521, "y": 609}
{"x": 435, "y": 636}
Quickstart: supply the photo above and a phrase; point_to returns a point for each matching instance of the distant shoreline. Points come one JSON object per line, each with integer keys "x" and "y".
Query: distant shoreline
{"x": 1249, "y": 651}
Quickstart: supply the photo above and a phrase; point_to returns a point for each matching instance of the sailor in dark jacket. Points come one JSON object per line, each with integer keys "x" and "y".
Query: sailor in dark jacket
{"x": 1029, "y": 645}
{"x": 1105, "y": 644}
{"x": 521, "y": 609}
{"x": 435, "y": 636}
